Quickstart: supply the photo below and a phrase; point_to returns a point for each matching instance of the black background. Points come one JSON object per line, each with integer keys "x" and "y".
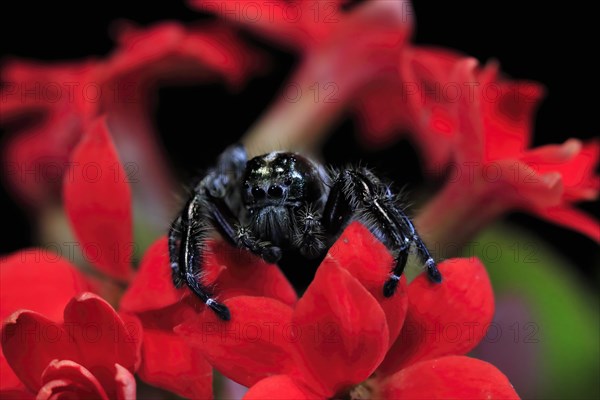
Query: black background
{"x": 548, "y": 44}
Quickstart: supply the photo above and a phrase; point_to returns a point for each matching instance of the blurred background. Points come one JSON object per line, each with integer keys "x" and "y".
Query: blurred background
{"x": 545, "y": 277}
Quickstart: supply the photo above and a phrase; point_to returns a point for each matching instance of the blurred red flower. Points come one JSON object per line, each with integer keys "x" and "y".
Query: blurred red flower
{"x": 472, "y": 121}
{"x": 50, "y": 106}
{"x": 496, "y": 171}
{"x": 345, "y": 55}
{"x": 413, "y": 102}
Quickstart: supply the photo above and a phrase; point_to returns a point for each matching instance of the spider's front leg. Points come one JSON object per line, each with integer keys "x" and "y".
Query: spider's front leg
{"x": 357, "y": 193}
{"x": 206, "y": 211}
{"x": 187, "y": 237}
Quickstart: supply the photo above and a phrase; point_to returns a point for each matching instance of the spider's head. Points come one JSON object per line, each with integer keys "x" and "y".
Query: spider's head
{"x": 281, "y": 179}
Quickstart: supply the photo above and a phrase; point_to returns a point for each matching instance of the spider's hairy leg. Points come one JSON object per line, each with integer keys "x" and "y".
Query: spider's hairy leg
{"x": 174, "y": 238}
{"x": 194, "y": 231}
{"x": 190, "y": 229}
{"x": 246, "y": 240}
{"x": 240, "y": 236}
{"x": 310, "y": 235}
{"x": 358, "y": 194}
{"x": 432, "y": 270}
{"x": 229, "y": 168}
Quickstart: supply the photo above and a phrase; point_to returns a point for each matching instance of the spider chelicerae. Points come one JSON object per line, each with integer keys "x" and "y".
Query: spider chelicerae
{"x": 281, "y": 202}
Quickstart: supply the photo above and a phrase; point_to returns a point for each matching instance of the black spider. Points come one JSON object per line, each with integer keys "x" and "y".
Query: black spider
{"x": 281, "y": 202}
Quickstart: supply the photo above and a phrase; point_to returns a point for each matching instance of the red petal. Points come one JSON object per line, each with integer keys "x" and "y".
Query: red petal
{"x": 170, "y": 363}
{"x": 229, "y": 271}
{"x": 30, "y": 342}
{"x": 553, "y": 154}
{"x": 471, "y": 141}
{"x": 65, "y": 389}
{"x": 414, "y": 101}
{"x": 135, "y": 330}
{"x": 98, "y": 203}
{"x": 427, "y": 82}
{"x": 125, "y": 383}
{"x": 169, "y": 51}
{"x": 580, "y": 171}
{"x": 381, "y": 113}
{"x": 302, "y": 25}
{"x": 444, "y": 319}
{"x": 273, "y": 21}
{"x": 16, "y": 394}
{"x": 42, "y": 96}
{"x": 101, "y": 337}
{"x": 576, "y": 163}
{"x": 11, "y": 386}
{"x": 526, "y": 187}
{"x": 38, "y": 280}
{"x": 369, "y": 261}
{"x": 253, "y": 345}
{"x": 573, "y": 219}
{"x": 279, "y": 387}
{"x": 152, "y": 288}
{"x": 234, "y": 272}
{"x": 37, "y": 158}
{"x": 341, "y": 334}
{"x": 68, "y": 376}
{"x": 166, "y": 318}
{"x": 453, "y": 377}
{"x": 508, "y": 111}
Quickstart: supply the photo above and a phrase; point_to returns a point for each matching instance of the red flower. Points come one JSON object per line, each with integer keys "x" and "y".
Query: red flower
{"x": 56, "y": 339}
{"x": 344, "y": 54}
{"x": 371, "y": 68}
{"x": 414, "y": 101}
{"x": 344, "y": 337}
{"x": 496, "y": 171}
{"x": 59, "y": 101}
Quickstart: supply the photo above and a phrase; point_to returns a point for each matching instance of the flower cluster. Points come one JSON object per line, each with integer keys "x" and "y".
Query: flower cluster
{"x": 64, "y": 335}
{"x": 275, "y": 343}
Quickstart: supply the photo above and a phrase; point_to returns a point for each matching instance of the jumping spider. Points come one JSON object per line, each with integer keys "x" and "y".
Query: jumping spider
{"x": 280, "y": 202}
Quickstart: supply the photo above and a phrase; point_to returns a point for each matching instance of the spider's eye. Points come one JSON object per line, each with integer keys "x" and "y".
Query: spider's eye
{"x": 258, "y": 193}
{"x": 275, "y": 192}
{"x": 287, "y": 182}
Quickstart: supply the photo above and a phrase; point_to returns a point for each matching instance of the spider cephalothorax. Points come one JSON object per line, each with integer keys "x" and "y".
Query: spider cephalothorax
{"x": 282, "y": 202}
{"x": 275, "y": 187}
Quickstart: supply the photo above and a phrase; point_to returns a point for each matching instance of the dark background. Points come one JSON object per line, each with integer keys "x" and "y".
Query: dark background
{"x": 549, "y": 44}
